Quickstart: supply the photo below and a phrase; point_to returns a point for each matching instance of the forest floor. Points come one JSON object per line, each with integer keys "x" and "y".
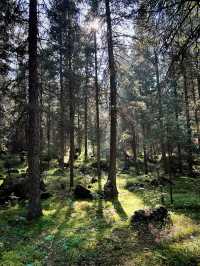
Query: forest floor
{"x": 98, "y": 232}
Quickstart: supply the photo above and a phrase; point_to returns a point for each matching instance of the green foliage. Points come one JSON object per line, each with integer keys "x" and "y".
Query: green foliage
{"x": 74, "y": 232}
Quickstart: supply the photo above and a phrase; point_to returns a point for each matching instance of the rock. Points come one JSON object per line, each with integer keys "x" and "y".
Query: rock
{"x": 81, "y": 192}
{"x": 159, "y": 215}
{"x": 103, "y": 165}
{"x": 16, "y": 187}
{"x": 85, "y": 170}
{"x": 162, "y": 181}
{"x": 143, "y": 218}
{"x": 136, "y": 186}
{"x": 46, "y": 195}
{"x": 139, "y": 217}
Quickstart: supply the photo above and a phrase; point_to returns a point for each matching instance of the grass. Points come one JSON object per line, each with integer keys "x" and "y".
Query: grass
{"x": 97, "y": 232}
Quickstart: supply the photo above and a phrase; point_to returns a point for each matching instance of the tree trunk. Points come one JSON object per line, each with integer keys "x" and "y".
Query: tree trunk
{"x": 34, "y": 207}
{"x": 41, "y": 111}
{"x": 86, "y": 111}
{"x": 195, "y": 111}
{"x": 97, "y": 109}
{"x": 49, "y": 128}
{"x": 174, "y": 86}
{"x": 134, "y": 149}
{"x": 71, "y": 103}
{"x": 62, "y": 107}
{"x": 169, "y": 166}
{"x": 145, "y": 150}
{"x": 160, "y": 110}
{"x": 134, "y": 144}
{"x": 79, "y": 137}
{"x": 187, "y": 112}
{"x": 110, "y": 187}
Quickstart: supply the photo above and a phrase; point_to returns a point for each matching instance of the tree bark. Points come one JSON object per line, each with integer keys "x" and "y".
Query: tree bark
{"x": 174, "y": 86}
{"x": 86, "y": 111}
{"x": 34, "y": 206}
{"x": 79, "y": 137}
{"x": 145, "y": 150}
{"x": 97, "y": 109}
{"x": 71, "y": 103}
{"x": 195, "y": 111}
{"x": 134, "y": 148}
{"x": 110, "y": 187}
{"x": 49, "y": 128}
{"x": 187, "y": 112}
{"x": 62, "y": 106}
{"x": 160, "y": 110}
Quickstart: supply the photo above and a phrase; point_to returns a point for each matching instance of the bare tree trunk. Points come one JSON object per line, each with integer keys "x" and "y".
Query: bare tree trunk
{"x": 97, "y": 109}
{"x": 162, "y": 143}
{"x": 62, "y": 107}
{"x": 169, "y": 166}
{"x": 134, "y": 148}
{"x": 34, "y": 207}
{"x": 79, "y": 137}
{"x": 86, "y": 111}
{"x": 71, "y": 103}
{"x": 187, "y": 112}
{"x": 195, "y": 111}
{"x": 49, "y": 128}
{"x": 134, "y": 144}
{"x": 145, "y": 150}
{"x": 174, "y": 85}
{"x": 41, "y": 111}
{"x": 110, "y": 187}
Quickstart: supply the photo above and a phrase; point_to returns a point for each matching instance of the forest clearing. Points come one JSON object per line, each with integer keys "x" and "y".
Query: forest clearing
{"x": 99, "y": 133}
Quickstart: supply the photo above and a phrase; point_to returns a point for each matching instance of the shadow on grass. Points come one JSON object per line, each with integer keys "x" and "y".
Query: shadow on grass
{"x": 185, "y": 194}
{"x": 83, "y": 235}
{"x": 119, "y": 209}
{"x": 99, "y": 208}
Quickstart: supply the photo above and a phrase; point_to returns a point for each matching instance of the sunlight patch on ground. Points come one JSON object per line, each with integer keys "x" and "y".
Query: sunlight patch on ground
{"x": 92, "y": 231}
{"x": 183, "y": 227}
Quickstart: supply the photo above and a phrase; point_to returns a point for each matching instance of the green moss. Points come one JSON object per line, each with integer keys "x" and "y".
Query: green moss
{"x": 97, "y": 232}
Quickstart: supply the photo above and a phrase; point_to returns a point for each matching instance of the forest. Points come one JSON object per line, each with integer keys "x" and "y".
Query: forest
{"x": 99, "y": 132}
